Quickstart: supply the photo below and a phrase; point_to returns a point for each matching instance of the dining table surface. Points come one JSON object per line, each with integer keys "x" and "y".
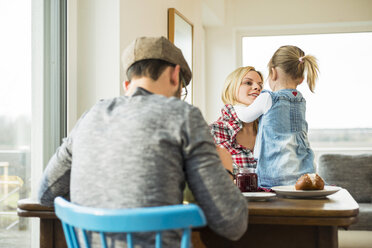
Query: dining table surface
{"x": 339, "y": 208}
{"x": 290, "y": 222}
{"x": 276, "y": 222}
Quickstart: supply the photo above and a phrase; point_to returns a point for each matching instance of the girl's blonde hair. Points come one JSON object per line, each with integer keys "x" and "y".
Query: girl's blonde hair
{"x": 293, "y": 61}
{"x": 232, "y": 83}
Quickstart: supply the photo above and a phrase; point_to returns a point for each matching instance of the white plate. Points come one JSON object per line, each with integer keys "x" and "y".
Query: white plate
{"x": 259, "y": 196}
{"x": 290, "y": 191}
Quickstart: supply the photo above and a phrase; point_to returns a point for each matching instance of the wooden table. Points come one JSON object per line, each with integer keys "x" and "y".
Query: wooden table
{"x": 285, "y": 222}
{"x": 280, "y": 222}
{"x": 51, "y": 232}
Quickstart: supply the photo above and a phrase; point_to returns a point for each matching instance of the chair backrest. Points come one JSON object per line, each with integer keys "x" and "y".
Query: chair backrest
{"x": 131, "y": 220}
{"x": 352, "y": 172}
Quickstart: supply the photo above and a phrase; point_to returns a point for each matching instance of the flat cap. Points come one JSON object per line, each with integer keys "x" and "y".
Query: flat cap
{"x": 155, "y": 48}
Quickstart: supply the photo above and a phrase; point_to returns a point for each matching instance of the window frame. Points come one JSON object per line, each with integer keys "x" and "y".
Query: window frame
{"x": 300, "y": 29}
{"x": 48, "y": 88}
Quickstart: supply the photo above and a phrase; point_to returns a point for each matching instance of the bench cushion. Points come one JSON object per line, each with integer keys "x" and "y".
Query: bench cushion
{"x": 352, "y": 172}
{"x": 364, "y": 218}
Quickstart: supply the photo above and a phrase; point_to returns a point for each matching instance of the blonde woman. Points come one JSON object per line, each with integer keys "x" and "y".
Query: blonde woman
{"x": 282, "y": 147}
{"x": 241, "y": 88}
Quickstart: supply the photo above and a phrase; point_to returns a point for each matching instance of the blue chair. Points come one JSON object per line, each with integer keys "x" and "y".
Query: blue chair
{"x": 148, "y": 219}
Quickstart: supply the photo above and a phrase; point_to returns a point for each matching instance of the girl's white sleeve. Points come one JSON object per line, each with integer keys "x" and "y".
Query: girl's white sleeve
{"x": 259, "y": 107}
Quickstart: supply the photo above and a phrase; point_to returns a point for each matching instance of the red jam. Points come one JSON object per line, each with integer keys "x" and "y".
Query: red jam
{"x": 246, "y": 180}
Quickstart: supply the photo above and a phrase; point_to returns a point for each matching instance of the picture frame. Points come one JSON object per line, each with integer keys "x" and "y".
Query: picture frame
{"x": 181, "y": 33}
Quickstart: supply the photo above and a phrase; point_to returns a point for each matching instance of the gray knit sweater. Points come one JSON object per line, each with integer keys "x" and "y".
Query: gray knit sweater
{"x": 139, "y": 151}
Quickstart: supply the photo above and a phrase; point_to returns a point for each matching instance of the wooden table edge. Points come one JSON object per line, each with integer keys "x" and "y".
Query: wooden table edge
{"x": 35, "y": 213}
{"x": 304, "y": 213}
{"x": 303, "y": 221}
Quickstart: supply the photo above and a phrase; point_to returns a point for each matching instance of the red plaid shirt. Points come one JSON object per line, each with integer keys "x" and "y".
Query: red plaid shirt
{"x": 224, "y": 132}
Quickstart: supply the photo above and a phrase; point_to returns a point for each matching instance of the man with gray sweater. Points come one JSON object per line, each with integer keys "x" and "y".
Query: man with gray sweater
{"x": 140, "y": 149}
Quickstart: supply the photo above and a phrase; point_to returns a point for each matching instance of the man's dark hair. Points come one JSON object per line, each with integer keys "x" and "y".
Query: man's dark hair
{"x": 152, "y": 68}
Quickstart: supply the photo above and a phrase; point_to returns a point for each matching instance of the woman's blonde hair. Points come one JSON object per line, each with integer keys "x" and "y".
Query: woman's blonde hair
{"x": 232, "y": 83}
{"x": 293, "y": 61}
{"x": 231, "y": 87}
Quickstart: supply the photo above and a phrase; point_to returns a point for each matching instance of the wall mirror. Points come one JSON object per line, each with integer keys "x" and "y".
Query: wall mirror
{"x": 180, "y": 33}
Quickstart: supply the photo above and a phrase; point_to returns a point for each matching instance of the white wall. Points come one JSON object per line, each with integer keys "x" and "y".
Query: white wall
{"x": 98, "y": 51}
{"x": 93, "y": 54}
{"x": 272, "y": 17}
{"x": 150, "y": 18}
{"x": 99, "y": 30}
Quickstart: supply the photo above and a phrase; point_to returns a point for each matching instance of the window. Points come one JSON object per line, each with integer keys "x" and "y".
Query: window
{"x": 32, "y": 101}
{"x": 338, "y": 113}
{"x": 15, "y": 119}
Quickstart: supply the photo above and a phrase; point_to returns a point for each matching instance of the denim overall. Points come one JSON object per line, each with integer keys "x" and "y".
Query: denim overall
{"x": 282, "y": 147}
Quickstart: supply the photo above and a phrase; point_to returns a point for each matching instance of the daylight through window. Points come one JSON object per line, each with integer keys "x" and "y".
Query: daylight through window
{"x": 338, "y": 113}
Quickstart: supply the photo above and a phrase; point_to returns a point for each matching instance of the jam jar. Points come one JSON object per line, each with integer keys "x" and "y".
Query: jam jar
{"x": 246, "y": 179}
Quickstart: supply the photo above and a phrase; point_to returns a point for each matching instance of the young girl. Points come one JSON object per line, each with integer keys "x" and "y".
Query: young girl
{"x": 282, "y": 147}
